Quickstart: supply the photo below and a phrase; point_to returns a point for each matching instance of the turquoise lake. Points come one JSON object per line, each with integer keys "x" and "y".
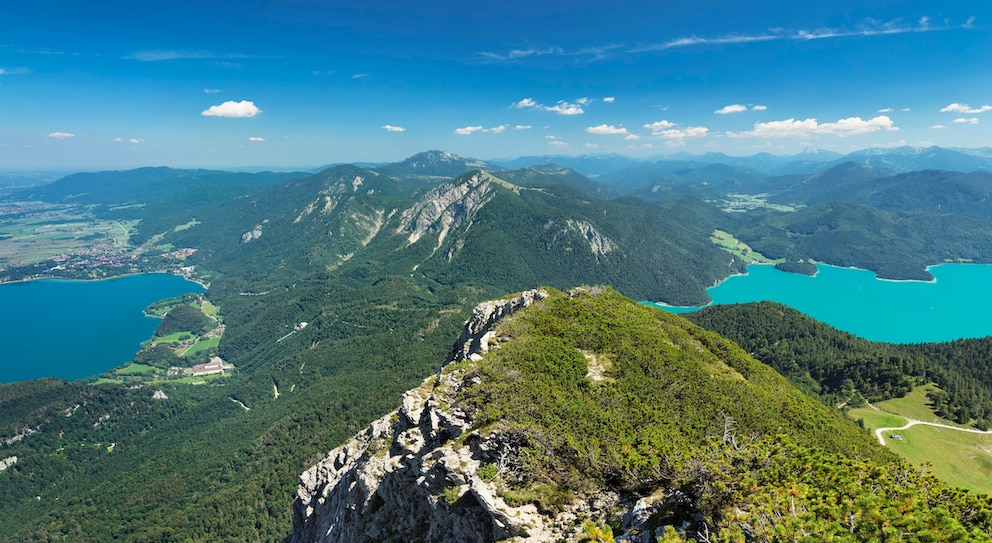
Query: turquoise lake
{"x": 956, "y": 305}
{"x": 77, "y": 329}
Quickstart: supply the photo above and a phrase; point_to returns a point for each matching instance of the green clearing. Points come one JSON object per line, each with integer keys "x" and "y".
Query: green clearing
{"x": 209, "y": 309}
{"x": 202, "y": 345}
{"x": 736, "y": 247}
{"x": 962, "y": 459}
{"x": 741, "y": 203}
{"x": 136, "y": 369}
{"x": 173, "y": 337}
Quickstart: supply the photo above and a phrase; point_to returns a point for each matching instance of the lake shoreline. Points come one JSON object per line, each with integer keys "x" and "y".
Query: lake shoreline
{"x": 100, "y": 324}
{"x": 857, "y": 301}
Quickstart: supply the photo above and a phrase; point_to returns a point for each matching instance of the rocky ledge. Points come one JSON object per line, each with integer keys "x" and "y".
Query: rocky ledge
{"x": 423, "y": 473}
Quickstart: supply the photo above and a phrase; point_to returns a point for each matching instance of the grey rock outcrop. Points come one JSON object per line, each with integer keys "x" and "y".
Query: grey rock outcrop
{"x": 446, "y": 207}
{"x": 426, "y": 473}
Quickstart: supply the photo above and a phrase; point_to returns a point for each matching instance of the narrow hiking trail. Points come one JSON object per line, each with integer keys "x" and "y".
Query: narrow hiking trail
{"x": 911, "y": 423}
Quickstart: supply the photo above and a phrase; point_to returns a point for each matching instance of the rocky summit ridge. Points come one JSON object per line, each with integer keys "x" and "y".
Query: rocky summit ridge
{"x": 419, "y": 472}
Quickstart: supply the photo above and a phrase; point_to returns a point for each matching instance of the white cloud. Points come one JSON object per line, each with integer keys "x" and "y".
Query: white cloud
{"x": 232, "y": 109}
{"x": 609, "y": 99}
{"x": 61, "y": 135}
{"x": 936, "y": 126}
{"x": 391, "y": 128}
{"x": 136, "y": 140}
{"x": 359, "y": 76}
{"x": 672, "y": 131}
{"x": 680, "y": 133}
{"x": 904, "y": 109}
{"x": 118, "y": 140}
{"x": 732, "y": 108}
{"x": 965, "y": 108}
{"x": 631, "y": 137}
{"x": 759, "y": 108}
{"x": 591, "y": 145}
{"x": 565, "y": 108}
{"x": 212, "y": 91}
{"x": 522, "y": 127}
{"x": 13, "y": 71}
{"x": 885, "y": 110}
{"x": 466, "y": 130}
{"x": 255, "y": 138}
{"x": 517, "y": 54}
{"x": 659, "y": 125}
{"x": 963, "y": 120}
{"x": 789, "y": 128}
{"x": 557, "y": 143}
{"x": 606, "y": 129}
{"x": 562, "y": 107}
{"x": 869, "y": 27}
{"x": 157, "y": 56}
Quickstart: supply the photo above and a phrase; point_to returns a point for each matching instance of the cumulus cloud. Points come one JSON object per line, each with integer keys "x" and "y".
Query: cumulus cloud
{"x": 673, "y": 131}
{"x": 737, "y": 108}
{"x": 606, "y": 129}
{"x": 609, "y": 99}
{"x": 732, "y": 108}
{"x": 659, "y": 125}
{"x": 255, "y": 138}
{"x": 553, "y": 140}
{"x": 562, "y": 107}
{"x": 466, "y": 130}
{"x": 522, "y": 127}
{"x": 790, "y": 128}
{"x": 61, "y": 135}
{"x": 631, "y": 137}
{"x": 968, "y": 120}
{"x": 937, "y": 126}
{"x": 565, "y": 108}
{"x": 391, "y": 128}
{"x": 232, "y": 109}
{"x": 965, "y": 108}
{"x": 136, "y": 140}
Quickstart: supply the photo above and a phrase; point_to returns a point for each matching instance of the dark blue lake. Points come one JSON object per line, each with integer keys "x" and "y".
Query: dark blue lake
{"x": 954, "y": 306}
{"x": 77, "y": 329}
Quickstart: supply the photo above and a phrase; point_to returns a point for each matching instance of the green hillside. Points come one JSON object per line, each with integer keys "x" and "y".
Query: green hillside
{"x": 600, "y": 392}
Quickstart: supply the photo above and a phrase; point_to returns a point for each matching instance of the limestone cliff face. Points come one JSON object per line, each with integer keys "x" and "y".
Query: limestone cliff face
{"x": 422, "y": 473}
{"x": 446, "y": 207}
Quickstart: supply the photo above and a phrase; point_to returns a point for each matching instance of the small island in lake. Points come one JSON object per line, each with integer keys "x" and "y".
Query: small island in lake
{"x": 802, "y": 266}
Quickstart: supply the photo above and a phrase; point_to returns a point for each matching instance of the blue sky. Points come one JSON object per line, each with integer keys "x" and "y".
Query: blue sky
{"x": 295, "y": 83}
